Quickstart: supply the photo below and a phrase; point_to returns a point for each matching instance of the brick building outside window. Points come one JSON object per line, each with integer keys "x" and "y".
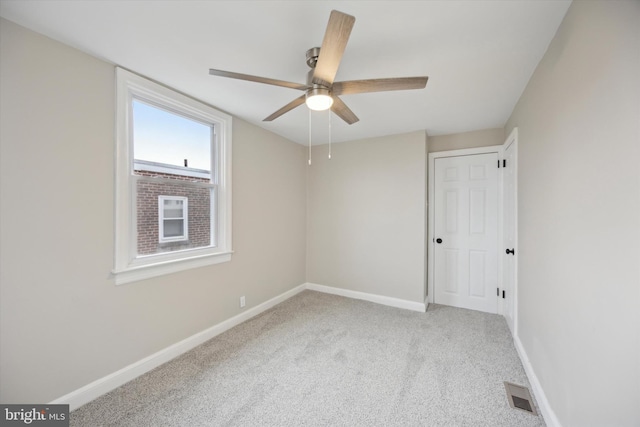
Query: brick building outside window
{"x": 160, "y": 181}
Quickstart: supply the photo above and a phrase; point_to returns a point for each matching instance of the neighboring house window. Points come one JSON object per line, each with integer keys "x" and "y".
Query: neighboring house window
{"x": 173, "y": 181}
{"x": 173, "y": 219}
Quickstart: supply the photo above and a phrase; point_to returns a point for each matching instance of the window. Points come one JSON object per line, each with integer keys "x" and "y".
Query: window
{"x": 174, "y": 219}
{"x": 172, "y": 159}
{"x": 173, "y": 181}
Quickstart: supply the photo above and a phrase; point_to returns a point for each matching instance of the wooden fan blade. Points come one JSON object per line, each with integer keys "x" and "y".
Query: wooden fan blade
{"x": 290, "y": 106}
{"x": 257, "y": 79}
{"x": 335, "y": 41}
{"x": 378, "y": 85}
{"x": 342, "y": 111}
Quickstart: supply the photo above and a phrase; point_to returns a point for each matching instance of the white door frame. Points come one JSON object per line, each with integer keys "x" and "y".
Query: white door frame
{"x": 513, "y": 139}
{"x": 431, "y": 213}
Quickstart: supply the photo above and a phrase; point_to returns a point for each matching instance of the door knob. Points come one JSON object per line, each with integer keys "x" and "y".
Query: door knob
{"x": 511, "y": 251}
{"x": 438, "y": 240}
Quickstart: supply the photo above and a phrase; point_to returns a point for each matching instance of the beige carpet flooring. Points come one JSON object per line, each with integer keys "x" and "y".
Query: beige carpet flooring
{"x": 324, "y": 360}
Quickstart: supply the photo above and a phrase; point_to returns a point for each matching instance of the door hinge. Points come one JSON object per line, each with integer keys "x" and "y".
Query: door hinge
{"x": 502, "y": 294}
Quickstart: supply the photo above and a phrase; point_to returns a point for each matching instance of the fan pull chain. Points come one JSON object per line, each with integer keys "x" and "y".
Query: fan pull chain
{"x": 309, "y": 137}
{"x": 329, "y": 133}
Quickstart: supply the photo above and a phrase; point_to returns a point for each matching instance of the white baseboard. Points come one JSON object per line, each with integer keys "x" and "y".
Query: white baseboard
{"x": 550, "y": 417}
{"x": 379, "y": 299}
{"x": 91, "y": 391}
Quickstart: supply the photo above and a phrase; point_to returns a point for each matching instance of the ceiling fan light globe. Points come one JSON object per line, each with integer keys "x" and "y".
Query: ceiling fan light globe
{"x": 319, "y": 99}
{"x": 319, "y": 102}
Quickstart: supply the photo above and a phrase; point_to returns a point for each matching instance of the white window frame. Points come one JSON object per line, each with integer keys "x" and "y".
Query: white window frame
{"x": 184, "y": 218}
{"x": 129, "y": 267}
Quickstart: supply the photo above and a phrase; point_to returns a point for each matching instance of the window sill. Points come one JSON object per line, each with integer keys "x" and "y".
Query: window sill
{"x": 135, "y": 273}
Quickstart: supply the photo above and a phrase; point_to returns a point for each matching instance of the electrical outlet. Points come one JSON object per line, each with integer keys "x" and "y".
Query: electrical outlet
{"x": 242, "y": 302}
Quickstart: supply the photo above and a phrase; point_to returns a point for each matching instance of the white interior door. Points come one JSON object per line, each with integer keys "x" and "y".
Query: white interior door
{"x": 466, "y": 231}
{"x": 510, "y": 233}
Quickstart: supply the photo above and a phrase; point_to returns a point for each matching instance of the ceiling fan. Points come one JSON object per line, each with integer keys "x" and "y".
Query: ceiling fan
{"x": 320, "y": 91}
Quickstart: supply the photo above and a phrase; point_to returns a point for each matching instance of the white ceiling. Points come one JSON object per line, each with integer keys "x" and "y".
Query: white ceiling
{"x": 479, "y": 55}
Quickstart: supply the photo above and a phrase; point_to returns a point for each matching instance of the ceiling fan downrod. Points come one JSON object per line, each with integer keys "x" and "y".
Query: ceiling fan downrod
{"x": 312, "y": 56}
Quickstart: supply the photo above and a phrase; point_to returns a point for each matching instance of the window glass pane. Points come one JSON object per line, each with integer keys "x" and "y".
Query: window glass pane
{"x": 173, "y": 203}
{"x": 167, "y": 138}
{"x": 198, "y": 224}
{"x": 173, "y": 213}
{"x": 162, "y": 141}
{"x": 173, "y": 208}
{"x": 173, "y": 228}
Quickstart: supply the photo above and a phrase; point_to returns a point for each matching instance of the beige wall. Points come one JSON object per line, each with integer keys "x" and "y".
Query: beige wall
{"x": 366, "y": 216}
{"x": 579, "y": 213}
{"x": 474, "y": 139}
{"x": 63, "y": 321}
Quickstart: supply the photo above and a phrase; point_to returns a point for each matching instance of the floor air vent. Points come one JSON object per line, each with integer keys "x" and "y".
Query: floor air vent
{"x": 519, "y": 398}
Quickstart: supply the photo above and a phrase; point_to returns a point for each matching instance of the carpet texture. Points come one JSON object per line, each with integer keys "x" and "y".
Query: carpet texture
{"x": 324, "y": 360}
